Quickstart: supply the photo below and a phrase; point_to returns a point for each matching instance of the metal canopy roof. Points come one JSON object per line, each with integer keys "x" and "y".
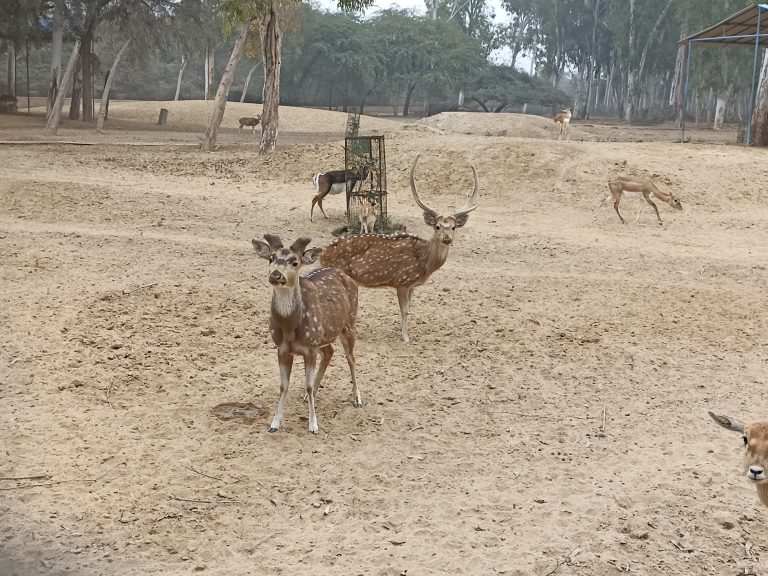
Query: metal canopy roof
{"x": 741, "y": 29}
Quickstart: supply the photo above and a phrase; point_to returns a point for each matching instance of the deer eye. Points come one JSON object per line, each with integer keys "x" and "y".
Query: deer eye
{"x": 746, "y": 440}
{"x": 453, "y": 227}
{"x": 295, "y": 264}
{"x": 437, "y": 227}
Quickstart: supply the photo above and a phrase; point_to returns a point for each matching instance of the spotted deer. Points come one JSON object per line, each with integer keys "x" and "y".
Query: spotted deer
{"x": 252, "y": 122}
{"x": 636, "y": 187}
{"x": 400, "y": 261}
{"x": 755, "y": 437}
{"x": 309, "y": 312}
{"x": 564, "y": 119}
{"x": 367, "y": 216}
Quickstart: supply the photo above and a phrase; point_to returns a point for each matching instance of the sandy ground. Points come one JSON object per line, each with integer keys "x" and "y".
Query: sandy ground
{"x": 550, "y": 416}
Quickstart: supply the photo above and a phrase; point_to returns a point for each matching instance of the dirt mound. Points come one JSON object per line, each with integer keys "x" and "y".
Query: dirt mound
{"x": 502, "y": 124}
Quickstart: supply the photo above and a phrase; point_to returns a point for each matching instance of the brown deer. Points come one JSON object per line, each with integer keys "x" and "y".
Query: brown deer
{"x": 636, "y": 187}
{"x": 336, "y": 182}
{"x": 400, "y": 261}
{"x": 755, "y": 436}
{"x": 252, "y": 122}
{"x": 308, "y": 314}
{"x": 564, "y": 119}
{"x": 367, "y": 216}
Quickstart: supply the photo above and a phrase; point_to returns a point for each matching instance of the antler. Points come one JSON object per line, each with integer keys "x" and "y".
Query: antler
{"x": 300, "y": 245}
{"x": 413, "y": 188}
{"x": 274, "y": 241}
{"x": 472, "y": 201}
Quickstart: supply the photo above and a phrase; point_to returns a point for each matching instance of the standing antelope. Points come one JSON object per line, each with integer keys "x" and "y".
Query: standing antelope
{"x": 400, "y": 261}
{"x": 252, "y": 122}
{"x": 564, "y": 119}
{"x": 755, "y": 436}
{"x": 635, "y": 187}
{"x": 336, "y": 182}
{"x": 367, "y": 216}
{"x": 308, "y": 314}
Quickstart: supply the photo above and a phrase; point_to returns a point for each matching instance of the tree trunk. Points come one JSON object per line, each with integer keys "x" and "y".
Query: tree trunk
{"x": 11, "y": 68}
{"x": 592, "y": 58}
{"x": 408, "y": 95}
{"x": 74, "y": 104}
{"x": 678, "y": 85}
{"x": 178, "y": 80}
{"x": 53, "y": 122}
{"x": 721, "y": 103}
{"x": 108, "y": 87}
{"x": 271, "y": 39}
{"x": 220, "y": 102}
{"x": 759, "y": 126}
{"x": 208, "y": 70}
{"x": 86, "y": 59}
{"x": 58, "y": 36}
{"x": 248, "y": 81}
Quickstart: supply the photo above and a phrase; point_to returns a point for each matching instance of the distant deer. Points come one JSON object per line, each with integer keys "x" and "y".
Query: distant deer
{"x": 564, "y": 119}
{"x": 336, "y": 182}
{"x": 367, "y": 216}
{"x": 308, "y": 314}
{"x": 755, "y": 437}
{"x": 400, "y": 261}
{"x": 252, "y": 122}
{"x": 636, "y": 187}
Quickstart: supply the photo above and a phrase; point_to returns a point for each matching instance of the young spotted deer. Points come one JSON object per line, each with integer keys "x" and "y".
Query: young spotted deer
{"x": 636, "y": 187}
{"x": 564, "y": 119}
{"x": 308, "y": 314}
{"x": 400, "y": 261}
{"x": 367, "y": 216}
{"x": 755, "y": 436}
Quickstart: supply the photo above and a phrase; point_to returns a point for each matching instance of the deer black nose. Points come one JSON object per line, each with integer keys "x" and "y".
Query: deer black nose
{"x": 755, "y": 471}
{"x": 276, "y": 278}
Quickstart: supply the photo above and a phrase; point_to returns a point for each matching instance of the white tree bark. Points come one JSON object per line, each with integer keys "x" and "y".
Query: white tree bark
{"x": 108, "y": 87}
{"x": 11, "y": 68}
{"x": 181, "y": 73}
{"x": 248, "y": 81}
{"x": 208, "y": 71}
{"x": 759, "y": 126}
{"x": 220, "y": 102}
{"x": 56, "y": 45}
{"x": 52, "y": 126}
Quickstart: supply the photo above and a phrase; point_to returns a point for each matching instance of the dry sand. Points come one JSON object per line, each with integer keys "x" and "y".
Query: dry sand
{"x": 550, "y": 416}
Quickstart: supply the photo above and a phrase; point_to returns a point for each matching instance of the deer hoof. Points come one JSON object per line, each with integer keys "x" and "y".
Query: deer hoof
{"x": 357, "y": 404}
{"x": 272, "y": 429}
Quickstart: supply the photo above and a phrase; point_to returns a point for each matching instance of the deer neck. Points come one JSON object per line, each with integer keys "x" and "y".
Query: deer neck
{"x": 286, "y": 301}
{"x": 437, "y": 254}
{"x": 762, "y": 493}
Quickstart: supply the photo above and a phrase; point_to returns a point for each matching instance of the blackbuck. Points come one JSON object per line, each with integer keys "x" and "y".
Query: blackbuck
{"x": 252, "y": 122}
{"x": 336, "y": 182}
{"x": 641, "y": 188}
{"x": 309, "y": 312}
{"x": 367, "y": 216}
{"x": 564, "y": 119}
{"x": 400, "y": 261}
{"x": 755, "y": 438}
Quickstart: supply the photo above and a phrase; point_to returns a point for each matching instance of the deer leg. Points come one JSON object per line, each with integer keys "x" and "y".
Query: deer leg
{"x": 655, "y": 208}
{"x": 327, "y": 354}
{"x": 404, "y": 298}
{"x": 318, "y": 199}
{"x": 285, "y": 360}
{"x": 347, "y": 338}
{"x": 309, "y": 384}
{"x": 602, "y": 203}
{"x": 640, "y": 211}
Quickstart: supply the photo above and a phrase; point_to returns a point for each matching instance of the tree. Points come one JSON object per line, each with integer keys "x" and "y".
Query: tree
{"x": 108, "y": 86}
{"x": 759, "y": 127}
{"x": 52, "y": 126}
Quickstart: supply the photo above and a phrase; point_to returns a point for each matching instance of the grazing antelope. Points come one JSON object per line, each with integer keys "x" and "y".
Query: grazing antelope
{"x": 400, "y": 261}
{"x": 367, "y": 216}
{"x": 755, "y": 436}
{"x": 564, "y": 119}
{"x": 308, "y": 314}
{"x": 335, "y": 182}
{"x": 252, "y": 122}
{"x": 636, "y": 187}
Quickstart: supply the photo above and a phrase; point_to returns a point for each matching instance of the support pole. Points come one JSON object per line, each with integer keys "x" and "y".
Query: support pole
{"x": 685, "y": 92}
{"x": 754, "y": 72}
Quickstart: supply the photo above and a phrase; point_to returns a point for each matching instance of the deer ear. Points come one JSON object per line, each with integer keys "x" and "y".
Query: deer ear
{"x": 461, "y": 219}
{"x": 310, "y": 256}
{"x": 262, "y": 249}
{"x": 430, "y": 217}
{"x": 729, "y": 423}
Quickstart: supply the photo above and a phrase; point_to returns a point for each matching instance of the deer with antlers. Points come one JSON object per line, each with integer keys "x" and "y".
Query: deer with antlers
{"x": 400, "y": 261}
{"x": 636, "y": 187}
{"x": 755, "y": 436}
{"x": 564, "y": 119}
{"x": 308, "y": 314}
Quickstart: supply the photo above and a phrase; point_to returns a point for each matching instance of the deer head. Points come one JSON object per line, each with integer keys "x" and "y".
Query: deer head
{"x": 445, "y": 226}
{"x": 674, "y": 201}
{"x": 285, "y": 263}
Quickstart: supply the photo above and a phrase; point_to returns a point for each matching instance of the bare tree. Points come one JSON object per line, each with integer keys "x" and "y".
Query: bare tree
{"x": 181, "y": 73}
{"x": 248, "y": 81}
{"x": 108, "y": 87}
{"x": 759, "y": 127}
{"x": 52, "y": 125}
